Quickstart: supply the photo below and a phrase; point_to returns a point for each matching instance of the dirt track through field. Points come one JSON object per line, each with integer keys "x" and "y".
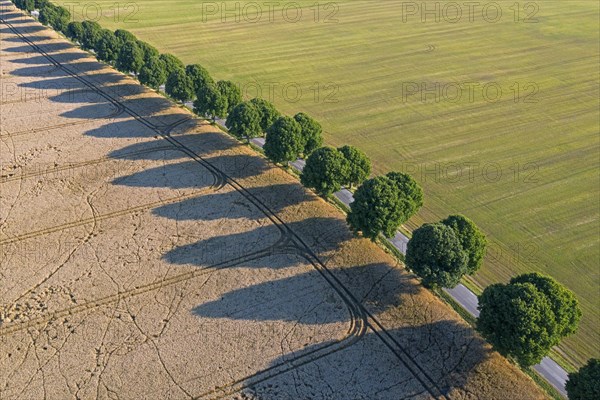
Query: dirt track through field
{"x": 155, "y": 262}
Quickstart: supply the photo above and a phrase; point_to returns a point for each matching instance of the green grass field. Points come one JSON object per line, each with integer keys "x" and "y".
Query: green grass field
{"x": 522, "y": 164}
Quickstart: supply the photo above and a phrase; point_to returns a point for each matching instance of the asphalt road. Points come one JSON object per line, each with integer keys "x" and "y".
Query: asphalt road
{"x": 549, "y": 369}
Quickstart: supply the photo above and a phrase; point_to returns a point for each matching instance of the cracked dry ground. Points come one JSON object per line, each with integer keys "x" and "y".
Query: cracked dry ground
{"x": 132, "y": 269}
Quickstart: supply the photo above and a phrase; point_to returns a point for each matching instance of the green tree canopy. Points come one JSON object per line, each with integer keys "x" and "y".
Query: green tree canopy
{"x": 28, "y": 5}
{"x": 74, "y": 31}
{"x": 268, "y": 113}
{"x": 284, "y": 140}
{"x": 125, "y": 36}
{"x": 179, "y": 86}
{"x": 153, "y": 73}
{"x": 148, "y": 51}
{"x": 199, "y": 76}
{"x": 130, "y": 58}
{"x": 231, "y": 92}
{"x": 325, "y": 170}
{"x": 435, "y": 254}
{"x": 91, "y": 34}
{"x": 311, "y": 133}
{"x": 359, "y": 166}
{"x": 210, "y": 102}
{"x": 108, "y": 46}
{"x": 378, "y": 207}
{"x": 55, "y": 16}
{"x": 172, "y": 64}
{"x": 563, "y": 302}
{"x": 517, "y": 319}
{"x": 585, "y": 383}
{"x": 244, "y": 121}
{"x": 409, "y": 188}
{"x": 471, "y": 238}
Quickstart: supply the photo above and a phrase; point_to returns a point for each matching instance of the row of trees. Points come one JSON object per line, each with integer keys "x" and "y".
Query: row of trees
{"x": 287, "y": 137}
{"x": 130, "y": 55}
{"x": 522, "y": 319}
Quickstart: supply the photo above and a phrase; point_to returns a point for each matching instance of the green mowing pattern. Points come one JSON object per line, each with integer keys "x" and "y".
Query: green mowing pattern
{"x": 544, "y": 218}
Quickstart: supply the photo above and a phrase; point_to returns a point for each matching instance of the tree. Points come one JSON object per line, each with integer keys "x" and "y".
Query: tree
{"x": 410, "y": 189}
{"x": 244, "y": 121}
{"x": 125, "y": 36}
{"x": 517, "y": 319}
{"x": 359, "y": 166}
{"x": 148, "y": 51}
{"x": 210, "y": 103}
{"x": 585, "y": 383}
{"x": 74, "y": 31}
{"x": 27, "y": 5}
{"x": 231, "y": 92}
{"x": 311, "y": 133}
{"x": 108, "y": 46}
{"x": 563, "y": 302}
{"x": 268, "y": 113}
{"x": 378, "y": 207}
{"x": 153, "y": 73}
{"x": 172, "y": 63}
{"x": 284, "y": 140}
{"x": 435, "y": 254}
{"x": 55, "y": 16}
{"x": 91, "y": 34}
{"x": 130, "y": 58}
{"x": 470, "y": 237}
{"x": 199, "y": 76}
{"x": 324, "y": 171}
{"x": 518, "y": 323}
{"x": 179, "y": 86}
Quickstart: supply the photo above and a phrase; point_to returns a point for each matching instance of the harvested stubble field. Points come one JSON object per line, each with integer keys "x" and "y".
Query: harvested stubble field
{"x": 146, "y": 255}
{"x": 521, "y": 163}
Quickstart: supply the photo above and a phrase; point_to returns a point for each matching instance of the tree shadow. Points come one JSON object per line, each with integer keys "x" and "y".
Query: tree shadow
{"x": 294, "y": 291}
{"x": 203, "y": 143}
{"x": 182, "y": 175}
{"x": 19, "y": 19}
{"x": 207, "y": 142}
{"x": 12, "y": 16}
{"x": 233, "y": 246}
{"x": 112, "y": 84}
{"x": 126, "y": 129}
{"x": 153, "y": 150}
{"x": 218, "y": 250}
{"x": 42, "y": 70}
{"x": 196, "y": 209}
{"x": 444, "y": 354}
{"x": 63, "y": 83}
{"x": 26, "y": 48}
{"x": 98, "y": 110}
{"x": 293, "y": 299}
